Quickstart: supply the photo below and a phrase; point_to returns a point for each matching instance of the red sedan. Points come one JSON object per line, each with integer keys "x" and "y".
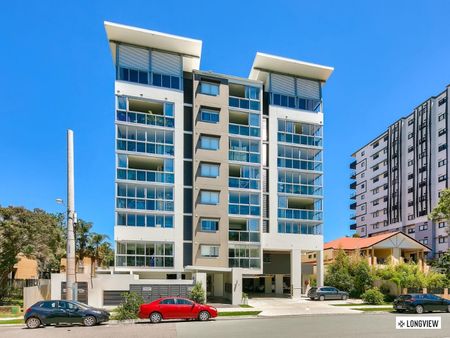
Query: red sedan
{"x": 176, "y": 308}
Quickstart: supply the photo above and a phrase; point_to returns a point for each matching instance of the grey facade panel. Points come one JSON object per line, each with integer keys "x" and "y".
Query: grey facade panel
{"x": 187, "y": 228}
{"x": 134, "y": 57}
{"x": 187, "y": 254}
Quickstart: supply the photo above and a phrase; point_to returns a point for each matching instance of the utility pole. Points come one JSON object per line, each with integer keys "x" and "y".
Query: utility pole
{"x": 70, "y": 269}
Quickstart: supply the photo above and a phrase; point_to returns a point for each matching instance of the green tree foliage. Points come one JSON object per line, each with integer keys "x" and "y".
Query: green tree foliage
{"x": 35, "y": 234}
{"x": 198, "y": 293}
{"x": 351, "y": 275}
{"x": 442, "y": 210}
{"x": 373, "y": 296}
{"x": 129, "y": 308}
{"x": 443, "y": 264}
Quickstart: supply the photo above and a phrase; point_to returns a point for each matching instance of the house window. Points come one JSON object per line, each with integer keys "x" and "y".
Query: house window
{"x": 443, "y": 131}
{"x": 424, "y": 241}
{"x": 441, "y": 224}
{"x": 209, "y": 197}
{"x": 209, "y": 142}
{"x": 410, "y": 135}
{"x": 442, "y": 178}
{"x": 410, "y": 122}
{"x": 442, "y": 147}
{"x": 411, "y": 230}
{"x": 441, "y": 117}
{"x": 442, "y": 162}
{"x": 208, "y": 115}
{"x": 410, "y": 163}
{"x": 209, "y": 88}
{"x": 410, "y": 217}
{"x": 209, "y": 250}
{"x": 442, "y": 101}
{"x": 362, "y": 153}
{"x": 211, "y": 225}
{"x": 209, "y": 170}
{"x": 423, "y": 227}
{"x": 442, "y": 240}
{"x": 375, "y": 145}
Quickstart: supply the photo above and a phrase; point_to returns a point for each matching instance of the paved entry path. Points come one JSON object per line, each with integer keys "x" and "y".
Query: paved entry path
{"x": 272, "y": 306}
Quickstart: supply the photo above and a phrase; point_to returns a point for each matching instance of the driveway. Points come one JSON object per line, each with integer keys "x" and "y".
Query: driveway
{"x": 272, "y": 306}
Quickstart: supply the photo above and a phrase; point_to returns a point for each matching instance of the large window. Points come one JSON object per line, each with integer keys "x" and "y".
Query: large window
{"x": 209, "y": 142}
{"x": 243, "y": 203}
{"x": 209, "y": 250}
{"x": 242, "y": 256}
{"x": 244, "y": 150}
{"x": 144, "y": 198}
{"x": 210, "y": 225}
{"x": 299, "y": 158}
{"x": 209, "y": 197}
{"x": 209, "y": 169}
{"x": 298, "y": 228}
{"x": 209, "y": 88}
{"x": 145, "y": 254}
{"x": 299, "y": 133}
{"x": 145, "y": 220}
{"x": 209, "y": 115}
{"x": 145, "y": 140}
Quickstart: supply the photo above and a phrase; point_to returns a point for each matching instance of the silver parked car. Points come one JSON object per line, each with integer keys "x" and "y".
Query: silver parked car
{"x": 326, "y": 292}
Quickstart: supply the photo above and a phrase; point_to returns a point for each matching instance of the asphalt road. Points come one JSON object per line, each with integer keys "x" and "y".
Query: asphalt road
{"x": 348, "y": 326}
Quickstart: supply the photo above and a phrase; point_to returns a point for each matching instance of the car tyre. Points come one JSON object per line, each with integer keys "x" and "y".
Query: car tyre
{"x": 322, "y": 298}
{"x": 344, "y": 297}
{"x": 33, "y": 322}
{"x": 155, "y": 317}
{"x": 89, "y": 321}
{"x": 203, "y": 316}
{"x": 419, "y": 309}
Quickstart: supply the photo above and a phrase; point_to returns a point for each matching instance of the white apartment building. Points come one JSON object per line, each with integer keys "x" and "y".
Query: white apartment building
{"x": 398, "y": 176}
{"x": 218, "y": 177}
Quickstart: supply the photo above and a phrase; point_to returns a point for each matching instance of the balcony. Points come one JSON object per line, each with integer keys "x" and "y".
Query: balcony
{"x": 353, "y": 175}
{"x": 353, "y": 165}
{"x": 244, "y": 97}
{"x": 243, "y": 236}
{"x": 353, "y": 216}
{"x": 144, "y": 169}
{"x": 353, "y": 195}
{"x": 244, "y": 177}
{"x": 353, "y": 185}
{"x": 353, "y": 226}
{"x": 295, "y": 102}
{"x": 300, "y": 214}
{"x": 148, "y": 78}
{"x": 353, "y": 206}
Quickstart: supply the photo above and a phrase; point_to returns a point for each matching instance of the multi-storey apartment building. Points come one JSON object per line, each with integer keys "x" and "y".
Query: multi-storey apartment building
{"x": 398, "y": 176}
{"x": 218, "y": 177}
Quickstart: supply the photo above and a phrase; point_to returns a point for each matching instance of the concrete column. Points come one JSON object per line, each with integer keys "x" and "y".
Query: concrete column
{"x": 236, "y": 297}
{"x": 396, "y": 253}
{"x": 320, "y": 267}
{"x": 268, "y": 284}
{"x": 218, "y": 284}
{"x": 279, "y": 284}
{"x": 200, "y": 277}
{"x": 296, "y": 274}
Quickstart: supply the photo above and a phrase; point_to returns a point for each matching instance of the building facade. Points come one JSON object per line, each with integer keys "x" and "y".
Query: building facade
{"x": 397, "y": 177}
{"x": 218, "y": 177}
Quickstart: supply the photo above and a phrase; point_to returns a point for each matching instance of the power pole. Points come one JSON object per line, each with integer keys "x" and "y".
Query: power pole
{"x": 70, "y": 269}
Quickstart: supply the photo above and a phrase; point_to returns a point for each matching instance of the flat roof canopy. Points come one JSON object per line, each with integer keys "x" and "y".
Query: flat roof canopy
{"x": 191, "y": 49}
{"x": 264, "y": 63}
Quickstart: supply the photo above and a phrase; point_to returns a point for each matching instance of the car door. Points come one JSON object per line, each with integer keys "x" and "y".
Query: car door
{"x": 61, "y": 315}
{"x": 168, "y": 308}
{"x": 49, "y": 312}
{"x": 185, "y": 308}
{"x": 75, "y": 313}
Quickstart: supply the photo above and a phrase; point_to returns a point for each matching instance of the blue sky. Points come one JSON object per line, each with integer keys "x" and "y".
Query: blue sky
{"x": 57, "y": 73}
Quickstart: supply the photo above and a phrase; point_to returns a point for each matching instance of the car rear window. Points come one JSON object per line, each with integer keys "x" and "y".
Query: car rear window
{"x": 48, "y": 305}
{"x": 403, "y": 297}
{"x": 167, "y": 301}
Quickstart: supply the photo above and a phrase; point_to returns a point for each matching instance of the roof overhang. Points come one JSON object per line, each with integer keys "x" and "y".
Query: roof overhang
{"x": 190, "y": 49}
{"x": 401, "y": 241}
{"x": 265, "y": 63}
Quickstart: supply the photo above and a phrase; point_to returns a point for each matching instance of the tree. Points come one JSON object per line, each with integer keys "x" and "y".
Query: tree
{"x": 338, "y": 274}
{"x": 82, "y": 239}
{"x": 98, "y": 250}
{"x": 443, "y": 264}
{"x": 35, "y": 234}
{"x": 442, "y": 210}
{"x": 198, "y": 293}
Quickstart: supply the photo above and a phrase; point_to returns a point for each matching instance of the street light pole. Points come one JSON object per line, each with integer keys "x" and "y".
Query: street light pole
{"x": 70, "y": 251}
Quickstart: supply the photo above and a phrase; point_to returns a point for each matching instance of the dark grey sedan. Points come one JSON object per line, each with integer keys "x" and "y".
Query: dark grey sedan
{"x": 326, "y": 292}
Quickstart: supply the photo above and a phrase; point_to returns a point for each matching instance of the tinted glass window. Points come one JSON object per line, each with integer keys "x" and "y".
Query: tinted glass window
{"x": 167, "y": 301}
{"x": 184, "y": 302}
{"x": 48, "y": 305}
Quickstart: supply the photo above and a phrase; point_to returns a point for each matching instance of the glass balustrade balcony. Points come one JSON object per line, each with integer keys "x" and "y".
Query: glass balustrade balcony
{"x": 238, "y": 129}
{"x": 242, "y": 103}
{"x": 145, "y": 176}
{"x": 300, "y": 214}
{"x": 300, "y": 139}
{"x": 147, "y": 119}
{"x": 295, "y": 102}
{"x": 300, "y": 164}
{"x": 243, "y": 183}
{"x": 300, "y": 189}
{"x": 243, "y": 236}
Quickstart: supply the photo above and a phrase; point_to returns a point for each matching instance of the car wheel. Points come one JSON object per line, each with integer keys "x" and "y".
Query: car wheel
{"x": 322, "y": 298}
{"x": 155, "y": 317}
{"x": 89, "y": 321}
{"x": 203, "y": 316}
{"x": 419, "y": 309}
{"x": 344, "y": 297}
{"x": 33, "y": 322}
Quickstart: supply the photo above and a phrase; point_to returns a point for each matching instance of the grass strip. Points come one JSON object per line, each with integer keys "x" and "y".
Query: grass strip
{"x": 11, "y": 321}
{"x": 238, "y": 313}
{"x": 362, "y": 304}
{"x": 373, "y": 309}
{"x": 245, "y": 306}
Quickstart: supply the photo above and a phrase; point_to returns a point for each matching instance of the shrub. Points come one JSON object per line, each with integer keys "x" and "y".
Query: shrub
{"x": 198, "y": 293}
{"x": 130, "y": 306}
{"x": 363, "y": 277}
{"x": 373, "y": 296}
